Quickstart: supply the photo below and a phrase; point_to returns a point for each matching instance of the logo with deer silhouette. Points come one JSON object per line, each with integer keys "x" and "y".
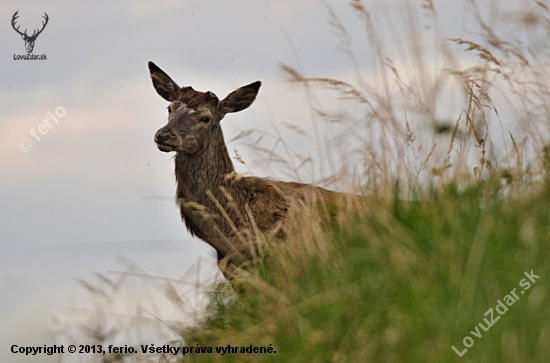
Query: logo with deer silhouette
{"x": 29, "y": 39}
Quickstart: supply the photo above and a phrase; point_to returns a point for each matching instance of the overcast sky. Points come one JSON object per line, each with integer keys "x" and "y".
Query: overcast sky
{"x": 75, "y": 200}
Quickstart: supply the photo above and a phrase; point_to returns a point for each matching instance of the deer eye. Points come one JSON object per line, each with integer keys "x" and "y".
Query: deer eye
{"x": 169, "y": 110}
{"x": 206, "y": 119}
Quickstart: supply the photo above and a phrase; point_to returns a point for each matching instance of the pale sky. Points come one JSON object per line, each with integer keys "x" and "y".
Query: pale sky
{"x": 80, "y": 197}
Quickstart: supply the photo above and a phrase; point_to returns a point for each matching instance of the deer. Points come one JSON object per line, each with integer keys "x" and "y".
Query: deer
{"x": 217, "y": 204}
{"x": 29, "y": 40}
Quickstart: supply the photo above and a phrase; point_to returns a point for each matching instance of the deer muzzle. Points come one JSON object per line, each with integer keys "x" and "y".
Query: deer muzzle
{"x": 166, "y": 141}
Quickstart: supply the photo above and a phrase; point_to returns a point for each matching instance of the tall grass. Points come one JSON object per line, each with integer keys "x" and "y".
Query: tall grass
{"x": 399, "y": 284}
{"x": 465, "y": 134}
{"x": 425, "y": 107}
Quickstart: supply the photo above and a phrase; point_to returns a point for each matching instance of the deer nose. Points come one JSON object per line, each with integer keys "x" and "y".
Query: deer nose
{"x": 162, "y": 136}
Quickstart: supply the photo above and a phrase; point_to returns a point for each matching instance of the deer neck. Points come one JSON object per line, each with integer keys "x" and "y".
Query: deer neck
{"x": 203, "y": 170}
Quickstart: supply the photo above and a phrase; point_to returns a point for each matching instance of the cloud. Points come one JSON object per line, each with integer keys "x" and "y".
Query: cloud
{"x": 282, "y": 11}
{"x": 147, "y": 8}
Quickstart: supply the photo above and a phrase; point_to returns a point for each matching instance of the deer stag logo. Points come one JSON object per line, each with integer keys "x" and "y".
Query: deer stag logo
{"x": 29, "y": 40}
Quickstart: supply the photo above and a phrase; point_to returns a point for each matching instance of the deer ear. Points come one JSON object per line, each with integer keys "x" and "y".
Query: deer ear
{"x": 164, "y": 85}
{"x": 241, "y": 98}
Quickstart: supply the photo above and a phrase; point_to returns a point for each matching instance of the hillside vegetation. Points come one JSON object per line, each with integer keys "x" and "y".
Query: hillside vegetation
{"x": 457, "y": 273}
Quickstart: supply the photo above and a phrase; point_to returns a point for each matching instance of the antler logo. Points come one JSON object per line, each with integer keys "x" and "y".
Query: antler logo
{"x": 29, "y": 40}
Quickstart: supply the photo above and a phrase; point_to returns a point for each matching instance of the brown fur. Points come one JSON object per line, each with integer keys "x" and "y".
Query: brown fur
{"x": 218, "y": 205}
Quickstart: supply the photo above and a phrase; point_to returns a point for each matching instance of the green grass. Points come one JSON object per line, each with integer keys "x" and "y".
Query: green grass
{"x": 397, "y": 284}
{"x": 406, "y": 281}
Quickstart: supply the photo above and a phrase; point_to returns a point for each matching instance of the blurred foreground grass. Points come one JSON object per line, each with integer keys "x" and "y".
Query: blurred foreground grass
{"x": 460, "y": 124}
{"x": 398, "y": 284}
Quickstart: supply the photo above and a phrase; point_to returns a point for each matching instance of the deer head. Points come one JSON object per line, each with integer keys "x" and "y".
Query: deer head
{"x": 193, "y": 116}
{"x": 29, "y": 40}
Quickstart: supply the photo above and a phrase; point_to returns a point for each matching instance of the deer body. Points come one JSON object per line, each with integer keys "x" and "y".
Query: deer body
{"x": 218, "y": 205}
